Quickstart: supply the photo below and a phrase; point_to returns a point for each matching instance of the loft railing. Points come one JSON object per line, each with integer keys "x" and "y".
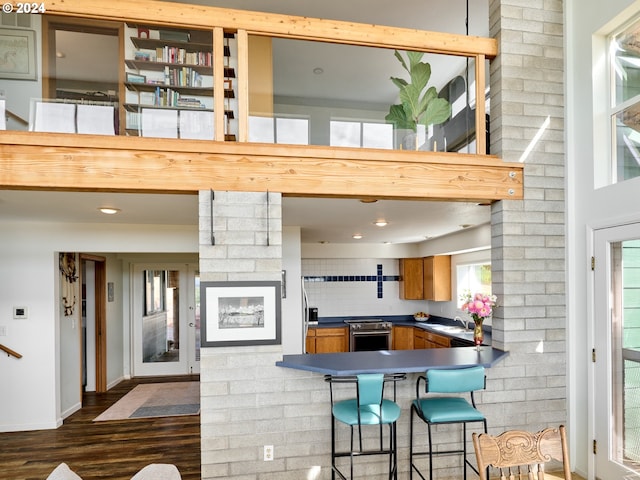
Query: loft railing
{"x": 44, "y": 159}
{"x": 10, "y": 352}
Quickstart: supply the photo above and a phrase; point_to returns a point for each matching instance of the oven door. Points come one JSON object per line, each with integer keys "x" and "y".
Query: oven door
{"x": 369, "y": 340}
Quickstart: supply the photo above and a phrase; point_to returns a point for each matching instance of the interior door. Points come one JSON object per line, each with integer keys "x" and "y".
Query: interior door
{"x": 164, "y": 320}
{"x": 616, "y": 406}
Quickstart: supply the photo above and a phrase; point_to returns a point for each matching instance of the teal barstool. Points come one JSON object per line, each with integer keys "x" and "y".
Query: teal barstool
{"x": 369, "y": 408}
{"x": 437, "y": 410}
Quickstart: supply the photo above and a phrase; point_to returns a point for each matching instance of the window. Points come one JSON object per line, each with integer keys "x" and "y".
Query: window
{"x": 291, "y": 131}
{"x": 154, "y": 291}
{"x": 475, "y": 278}
{"x": 624, "y": 48}
{"x": 361, "y": 134}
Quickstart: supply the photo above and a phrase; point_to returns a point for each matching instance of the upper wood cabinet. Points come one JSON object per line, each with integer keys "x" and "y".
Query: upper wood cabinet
{"x": 426, "y": 278}
{"x": 437, "y": 278}
{"x": 411, "y": 278}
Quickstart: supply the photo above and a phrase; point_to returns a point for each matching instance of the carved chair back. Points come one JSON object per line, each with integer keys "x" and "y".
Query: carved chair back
{"x": 521, "y": 455}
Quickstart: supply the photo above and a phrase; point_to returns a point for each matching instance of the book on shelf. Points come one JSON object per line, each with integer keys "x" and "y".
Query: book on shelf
{"x": 168, "y": 54}
{"x": 144, "y": 55}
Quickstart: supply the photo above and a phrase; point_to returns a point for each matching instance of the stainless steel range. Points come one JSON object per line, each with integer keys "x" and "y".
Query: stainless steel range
{"x": 369, "y": 334}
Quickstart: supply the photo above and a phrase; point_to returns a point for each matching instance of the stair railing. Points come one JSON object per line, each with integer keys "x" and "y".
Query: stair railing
{"x": 10, "y": 352}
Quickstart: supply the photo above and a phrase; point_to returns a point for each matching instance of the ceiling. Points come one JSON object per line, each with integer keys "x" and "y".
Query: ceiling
{"x": 321, "y": 220}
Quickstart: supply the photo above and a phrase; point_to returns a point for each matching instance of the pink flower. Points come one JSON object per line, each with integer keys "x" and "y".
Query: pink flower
{"x": 479, "y": 306}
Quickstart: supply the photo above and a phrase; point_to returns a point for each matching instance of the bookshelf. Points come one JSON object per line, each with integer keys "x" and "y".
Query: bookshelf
{"x": 172, "y": 70}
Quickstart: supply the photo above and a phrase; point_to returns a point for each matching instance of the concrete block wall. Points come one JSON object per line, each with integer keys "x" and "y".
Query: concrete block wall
{"x": 528, "y": 236}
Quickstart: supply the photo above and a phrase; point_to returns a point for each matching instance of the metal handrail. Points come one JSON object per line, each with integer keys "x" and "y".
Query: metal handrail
{"x": 10, "y": 352}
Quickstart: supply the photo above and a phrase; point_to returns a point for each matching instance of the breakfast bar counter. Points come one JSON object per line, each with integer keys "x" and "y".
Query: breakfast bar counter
{"x": 393, "y": 361}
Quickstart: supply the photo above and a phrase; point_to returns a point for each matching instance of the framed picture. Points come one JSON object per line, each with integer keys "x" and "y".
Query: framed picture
{"x": 17, "y": 48}
{"x": 135, "y": 78}
{"x": 240, "y": 313}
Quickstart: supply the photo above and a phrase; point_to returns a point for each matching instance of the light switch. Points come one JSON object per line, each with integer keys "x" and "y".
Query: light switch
{"x": 3, "y": 331}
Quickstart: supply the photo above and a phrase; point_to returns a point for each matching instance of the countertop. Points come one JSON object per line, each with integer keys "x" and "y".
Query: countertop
{"x": 393, "y": 361}
{"x": 440, "y": 325}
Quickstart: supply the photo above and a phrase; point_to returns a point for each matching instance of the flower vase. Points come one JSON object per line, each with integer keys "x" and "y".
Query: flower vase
{"x": 478, "y": 335}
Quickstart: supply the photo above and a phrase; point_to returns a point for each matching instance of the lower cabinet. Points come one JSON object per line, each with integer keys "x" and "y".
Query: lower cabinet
{"x": 331, "y": 340}
{"x": 424, "y": 339}
{"x": 403, "y": 338}
{"x": 327, "y": 340}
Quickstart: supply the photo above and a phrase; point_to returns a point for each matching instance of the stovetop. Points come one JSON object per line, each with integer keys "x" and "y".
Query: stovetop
{"x": 368, "y": 324}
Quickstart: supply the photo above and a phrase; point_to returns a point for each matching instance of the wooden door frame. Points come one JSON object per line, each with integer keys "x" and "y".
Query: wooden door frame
{"x": 101, "y": 319}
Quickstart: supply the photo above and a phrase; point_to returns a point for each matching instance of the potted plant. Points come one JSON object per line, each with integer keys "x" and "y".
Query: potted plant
{"x": 419, "y": 105}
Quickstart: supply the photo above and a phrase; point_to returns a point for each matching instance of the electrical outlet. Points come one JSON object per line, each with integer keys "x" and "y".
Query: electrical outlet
{"x": 268, "y": 453}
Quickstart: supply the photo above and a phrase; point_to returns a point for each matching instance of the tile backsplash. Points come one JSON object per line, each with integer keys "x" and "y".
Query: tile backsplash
{"x": 355, "y": 287}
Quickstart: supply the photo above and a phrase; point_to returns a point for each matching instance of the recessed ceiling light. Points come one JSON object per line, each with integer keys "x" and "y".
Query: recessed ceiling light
{"x": 381, "y": 223}
{"x": 318, "y": 71}
{"x": 357, "y": 236}
{"x": 109, "y": 210}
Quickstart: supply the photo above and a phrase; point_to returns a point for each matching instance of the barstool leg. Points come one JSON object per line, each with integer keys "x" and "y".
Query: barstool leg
{"x": 351, "y": 452}
{"x": 430, "y": 452}
{"x": 464, "y": 449}
{"x": 411, "y": 444}
{"x": 333, "y": 448}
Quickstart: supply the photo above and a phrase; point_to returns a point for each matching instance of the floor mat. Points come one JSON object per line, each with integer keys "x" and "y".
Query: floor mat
{"x": 156, "y": 400}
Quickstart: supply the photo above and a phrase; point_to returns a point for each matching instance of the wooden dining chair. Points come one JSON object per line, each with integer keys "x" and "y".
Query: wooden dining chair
{"x": 521, "y": 455}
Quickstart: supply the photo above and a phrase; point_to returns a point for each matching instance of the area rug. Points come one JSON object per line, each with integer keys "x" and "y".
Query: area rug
{"x": 155, "y": 400}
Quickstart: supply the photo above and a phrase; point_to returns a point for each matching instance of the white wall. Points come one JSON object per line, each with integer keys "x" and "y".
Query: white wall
{"x": 292, "y": 316}
{"x": 29, "y": 278}
{"x": 360, "y": 298}
{"x": 586, "y": 151}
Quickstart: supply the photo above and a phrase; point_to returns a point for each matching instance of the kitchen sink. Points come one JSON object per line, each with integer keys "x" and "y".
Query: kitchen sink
{"x": 445, "y": 328}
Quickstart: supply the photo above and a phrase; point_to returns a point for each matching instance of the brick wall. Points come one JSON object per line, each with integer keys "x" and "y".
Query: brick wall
{"x": 528, "y": 254}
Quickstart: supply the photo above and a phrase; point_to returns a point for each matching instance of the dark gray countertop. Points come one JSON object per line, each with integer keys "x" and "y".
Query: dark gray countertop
{"x": 433, "y": 324}
{"x": 393, "y": 361}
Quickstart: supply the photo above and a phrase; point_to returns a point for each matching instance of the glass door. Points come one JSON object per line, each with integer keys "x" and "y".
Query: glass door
{"x": 164, "y": 320}
{"x": 617, "y": 352}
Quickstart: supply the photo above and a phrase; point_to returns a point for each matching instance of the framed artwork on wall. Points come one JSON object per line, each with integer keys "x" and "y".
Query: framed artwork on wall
{"x": 17, "y": 54}
{"x": 240, "y": 313}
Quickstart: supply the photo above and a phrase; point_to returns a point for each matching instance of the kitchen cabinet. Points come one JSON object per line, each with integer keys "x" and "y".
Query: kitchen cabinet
{"x": 425, "y": 339}
{"x": 433, "y": 340}
{"x": 327, "y": 340}
{"x": 437, "y": 278}
{"x": 403, "y": 338}
{"x": 411, "y": 278}
{"x": 426, "y": 278}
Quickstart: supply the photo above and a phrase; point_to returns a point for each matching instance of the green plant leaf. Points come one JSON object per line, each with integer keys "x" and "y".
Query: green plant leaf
{"x": 420, "y": 75}
{"x": 399, "y": 82}
{"x": 401, "y": 60}
{"x": 438, "y": 111}
{"x": 398, "y": 117}
{"x": 414, "y": 58}
{"x": 410, "y": 98}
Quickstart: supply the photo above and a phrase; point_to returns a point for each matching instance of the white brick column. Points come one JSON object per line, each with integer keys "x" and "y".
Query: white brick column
{"x": 528, "y": 236}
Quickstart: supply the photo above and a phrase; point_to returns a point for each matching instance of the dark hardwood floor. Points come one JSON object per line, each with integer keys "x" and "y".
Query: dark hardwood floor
{"x": 114, "y": 450}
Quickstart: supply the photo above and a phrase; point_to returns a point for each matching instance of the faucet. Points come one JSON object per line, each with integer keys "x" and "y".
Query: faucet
{"x": 462, "y": 321}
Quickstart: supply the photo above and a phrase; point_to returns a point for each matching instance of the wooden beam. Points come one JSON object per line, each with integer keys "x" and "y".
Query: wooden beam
{"x": 269, "y": 24}
{"x": 51, "y": 161}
